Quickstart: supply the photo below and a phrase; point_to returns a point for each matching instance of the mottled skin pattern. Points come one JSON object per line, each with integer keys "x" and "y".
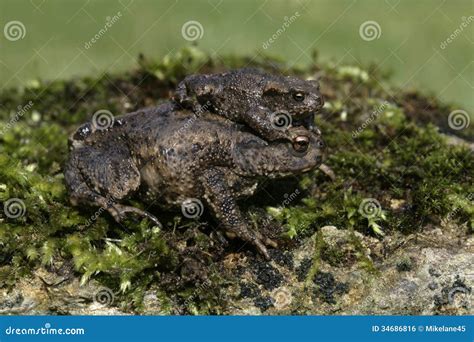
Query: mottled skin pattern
{"x": 250, "y": 96}
{"x": 169, "y": 156}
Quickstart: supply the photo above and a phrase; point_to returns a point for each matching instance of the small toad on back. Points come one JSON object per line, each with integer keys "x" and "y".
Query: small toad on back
{"x": 267, "y": 103}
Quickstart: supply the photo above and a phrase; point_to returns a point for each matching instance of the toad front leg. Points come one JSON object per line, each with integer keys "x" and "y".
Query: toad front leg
{"x": 221, "y": 200}
{"x": 274, "y": 126}
{"x": 270, "y": 126}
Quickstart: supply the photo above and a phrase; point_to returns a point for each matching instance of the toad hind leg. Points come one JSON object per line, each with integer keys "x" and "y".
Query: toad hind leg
{"x": 84, "y": 195}
{"x": 222, "y": 202}
{"x": 119, "y": 212}
{"x": 104, "y": 191}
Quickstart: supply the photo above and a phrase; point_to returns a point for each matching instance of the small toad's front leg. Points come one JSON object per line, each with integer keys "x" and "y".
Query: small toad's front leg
{"x": 221, "y": 200}
{"x": 195, "y": 90}
{"x": 270, "y": 126}
{"x": 183, "y": 97}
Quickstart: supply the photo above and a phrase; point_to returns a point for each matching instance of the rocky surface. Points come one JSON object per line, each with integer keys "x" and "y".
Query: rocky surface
{"x": 332, "y": 272}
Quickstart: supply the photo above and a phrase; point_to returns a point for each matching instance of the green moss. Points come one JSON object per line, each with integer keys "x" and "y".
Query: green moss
{"x": 376, "y": 148}
{"x": 319, "y": 245}
{"x": 392, "y": 159}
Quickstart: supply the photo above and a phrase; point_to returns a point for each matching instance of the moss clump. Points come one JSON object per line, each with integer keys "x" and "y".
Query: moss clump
{"x": 376, "y": 148}
{"x": 409, "y": 172}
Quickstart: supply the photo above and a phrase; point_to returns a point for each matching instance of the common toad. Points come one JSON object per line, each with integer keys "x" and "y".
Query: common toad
{"x": 171, "y": 156}
{"x": 267, "y": 103}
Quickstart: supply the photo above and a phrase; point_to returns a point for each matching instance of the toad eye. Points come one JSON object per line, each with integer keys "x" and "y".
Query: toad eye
{"x": 298, "y": 96}
{"x": 301, "y": 143}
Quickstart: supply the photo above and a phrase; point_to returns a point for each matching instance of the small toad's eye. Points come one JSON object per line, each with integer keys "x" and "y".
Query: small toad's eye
{"x": 298, "y": 96}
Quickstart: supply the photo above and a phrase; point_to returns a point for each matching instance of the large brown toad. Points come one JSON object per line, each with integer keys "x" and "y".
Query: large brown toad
{"x": 172, "y": 156}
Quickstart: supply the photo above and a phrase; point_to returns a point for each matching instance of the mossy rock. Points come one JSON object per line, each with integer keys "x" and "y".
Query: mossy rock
{"x": 401, "y": 176}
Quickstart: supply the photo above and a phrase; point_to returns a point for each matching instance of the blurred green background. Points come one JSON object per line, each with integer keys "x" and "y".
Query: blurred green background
{"x": 409, "y": 42}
